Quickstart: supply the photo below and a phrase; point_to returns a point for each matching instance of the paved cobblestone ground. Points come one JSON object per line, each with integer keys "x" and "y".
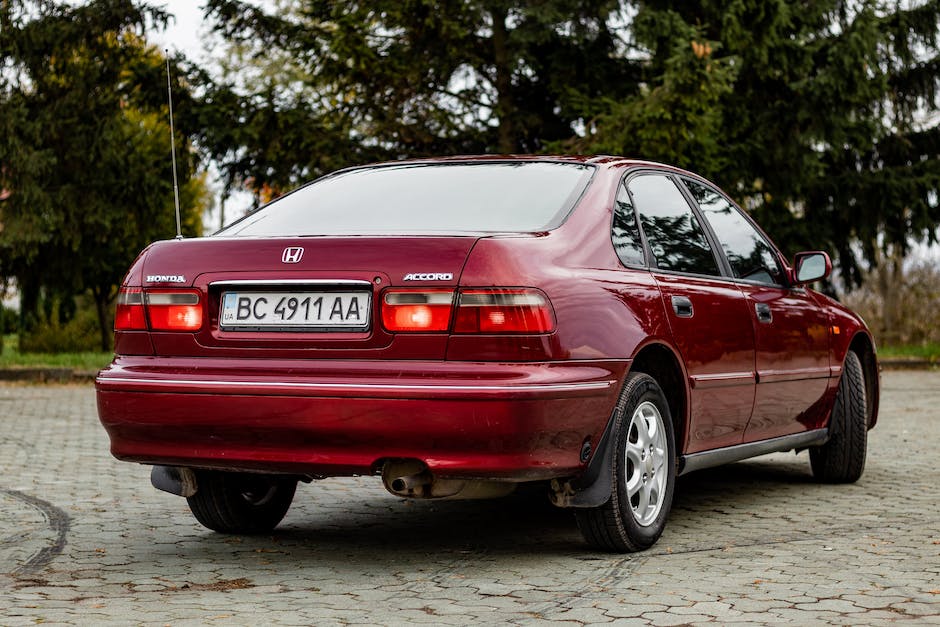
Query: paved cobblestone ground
{"x": 85, "y": 539}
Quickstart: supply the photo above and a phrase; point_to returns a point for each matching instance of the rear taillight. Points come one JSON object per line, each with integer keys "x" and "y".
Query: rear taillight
{"x": 130, "y": 310}
{"x": 416, "y": 311}
{"x": 492, "y": 311}
{"x": 176, "y": 310}
{"x": 503, "y": 311}
{"x": 167, "y": 310}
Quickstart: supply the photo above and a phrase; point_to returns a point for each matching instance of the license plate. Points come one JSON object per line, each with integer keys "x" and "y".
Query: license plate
{"x": 295, "y": 310}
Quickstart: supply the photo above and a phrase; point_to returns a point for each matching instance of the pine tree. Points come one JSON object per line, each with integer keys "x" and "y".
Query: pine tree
{"x": 818, "y": 116}
{"x": 407, "y": 78}
{"x": 84, "y": 150}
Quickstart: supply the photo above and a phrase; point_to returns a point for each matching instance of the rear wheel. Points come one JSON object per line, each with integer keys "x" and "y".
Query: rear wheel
{"x": 235, "y": 502}
{"x": 643, "y": 472}
{"x": 842, "y": 458}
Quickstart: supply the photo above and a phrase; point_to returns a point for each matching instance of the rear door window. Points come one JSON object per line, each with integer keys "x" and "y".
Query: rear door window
{"x": 624, "y": 233}
{"x": 675, "y": 237}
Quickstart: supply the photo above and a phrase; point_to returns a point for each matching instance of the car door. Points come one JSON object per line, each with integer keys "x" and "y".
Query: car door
{"x": 791, "y": 330}
{"x": 708, "y": 314}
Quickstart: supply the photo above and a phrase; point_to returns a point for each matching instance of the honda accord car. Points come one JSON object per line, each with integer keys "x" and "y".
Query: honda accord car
{"x": 459, "y": 326}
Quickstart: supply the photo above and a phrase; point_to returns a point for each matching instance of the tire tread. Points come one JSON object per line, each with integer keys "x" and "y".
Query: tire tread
{"x": 842, "y": 458}
{"x": 217, "y": 505}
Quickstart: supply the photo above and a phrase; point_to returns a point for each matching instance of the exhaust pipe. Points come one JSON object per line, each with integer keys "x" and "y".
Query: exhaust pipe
{"x": 411, "y": 478}
{"x": 407, "y": 478}
{"x": 412, "y": 485}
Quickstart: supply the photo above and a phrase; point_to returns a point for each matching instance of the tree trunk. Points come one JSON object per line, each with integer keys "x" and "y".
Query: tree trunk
{"x": 890, "y": 286}
{"x": 29, "y": 302}
{"x": 102, "y": 309}
{"x": 505, "y": 110}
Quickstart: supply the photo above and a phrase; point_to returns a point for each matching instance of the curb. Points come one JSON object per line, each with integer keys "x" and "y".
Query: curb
{"x": 47, "y": 375}
{"x": 907, "y": 364}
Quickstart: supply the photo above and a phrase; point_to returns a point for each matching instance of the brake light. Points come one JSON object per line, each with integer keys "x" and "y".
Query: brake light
{"x": 129, "y": 315}
{"x": 503, "y": 311}
{"x": 494, "y": 311}
{"x": 417, "y": 311}
{"x": 174, "y": 310}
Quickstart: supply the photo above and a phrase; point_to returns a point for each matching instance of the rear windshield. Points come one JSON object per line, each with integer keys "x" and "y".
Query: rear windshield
{"x": 425, "y": 198}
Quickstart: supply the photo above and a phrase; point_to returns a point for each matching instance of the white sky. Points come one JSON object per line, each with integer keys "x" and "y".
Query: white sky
{"x": 185, "y": 31}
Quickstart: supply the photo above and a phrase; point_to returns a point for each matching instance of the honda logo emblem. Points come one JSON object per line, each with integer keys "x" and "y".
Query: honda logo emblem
{"x": 292, "y": 254}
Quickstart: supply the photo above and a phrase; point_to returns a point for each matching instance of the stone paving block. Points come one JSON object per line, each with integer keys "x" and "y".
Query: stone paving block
{"x": 582, "y": 615}
{"x": 633, "y": 610}
{"x": 859, "y": 618}
{"x": 833, "y": 605}
{"x": 629, "y": 622}
{"x": 917, "y": 609}
{"x": 537, "y": 596}
{"x": 707, "y": 608}
{"x": 873, "y": 602}
{"x": 805, "y": 616}
{"x": 493, "y": 589}
{"x": 667, "y": 619}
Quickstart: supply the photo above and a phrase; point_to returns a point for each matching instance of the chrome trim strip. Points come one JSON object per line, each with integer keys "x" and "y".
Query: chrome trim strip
{"x": 722, "y": 380}
{"x": 290, "y": 282}
{"x": 546, "y": 387}
{"x": 728, "y": 454}
{"x": 800, "y": 374}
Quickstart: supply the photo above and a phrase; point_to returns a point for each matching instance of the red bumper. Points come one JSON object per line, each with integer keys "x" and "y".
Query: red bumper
{"x": 488, "y": 420}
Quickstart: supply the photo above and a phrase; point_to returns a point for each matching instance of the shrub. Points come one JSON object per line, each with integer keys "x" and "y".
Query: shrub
{"x": 52, "y": 335}
{"x": 901, "y": 305}
{"x": 9, "y": 320}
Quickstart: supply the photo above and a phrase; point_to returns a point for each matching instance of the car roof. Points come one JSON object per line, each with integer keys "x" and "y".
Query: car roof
{"x": 601, "y": 160}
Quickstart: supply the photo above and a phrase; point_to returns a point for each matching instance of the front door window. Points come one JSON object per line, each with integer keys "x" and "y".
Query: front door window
{"x": 750, "y": 256}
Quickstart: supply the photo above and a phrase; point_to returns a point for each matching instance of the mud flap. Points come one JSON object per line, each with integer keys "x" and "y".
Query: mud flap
{"x": 592, "y": 488}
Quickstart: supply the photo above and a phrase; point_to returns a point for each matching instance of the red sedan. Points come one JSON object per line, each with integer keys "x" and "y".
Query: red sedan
{"x": 460, "y": 326}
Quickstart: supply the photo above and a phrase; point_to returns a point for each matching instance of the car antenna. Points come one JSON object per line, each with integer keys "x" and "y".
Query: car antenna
{"x": 176, "y": 185}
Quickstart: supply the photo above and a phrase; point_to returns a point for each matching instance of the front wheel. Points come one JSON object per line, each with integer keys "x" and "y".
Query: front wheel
{"x": 842, "y": 458}
{"x": 237, "y": 502}
{"x": 643, "y": 472}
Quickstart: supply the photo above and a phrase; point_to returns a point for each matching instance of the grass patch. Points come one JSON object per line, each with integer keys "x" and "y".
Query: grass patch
{"x": 13, "y": 358}
{"x": 930, "y": 352}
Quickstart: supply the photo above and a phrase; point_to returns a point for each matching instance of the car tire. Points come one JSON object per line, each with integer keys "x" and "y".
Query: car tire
{"x": 243, "y": 503}
{"x": 842, "y": 458}
{"x": 635, "y": 515}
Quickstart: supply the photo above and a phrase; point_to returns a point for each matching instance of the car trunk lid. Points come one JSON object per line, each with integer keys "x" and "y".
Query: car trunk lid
{"x": 348, "y": 274}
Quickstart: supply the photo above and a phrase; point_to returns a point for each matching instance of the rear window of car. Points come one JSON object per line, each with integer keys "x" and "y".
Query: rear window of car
{"x": 425, "y": 198}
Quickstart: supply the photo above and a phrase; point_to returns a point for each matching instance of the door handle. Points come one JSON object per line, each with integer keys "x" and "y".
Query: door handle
{"x": 682, "y": 306}
{"x": 763, "y": 313}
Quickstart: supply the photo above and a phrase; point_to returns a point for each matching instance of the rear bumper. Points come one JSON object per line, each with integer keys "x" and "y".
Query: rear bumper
{"x": 518, "y": 422}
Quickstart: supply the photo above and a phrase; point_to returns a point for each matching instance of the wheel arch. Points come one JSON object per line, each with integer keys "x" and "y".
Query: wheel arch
{"x": 661, "y": 362}
{"x": 592, "y": 487}
{"x": 863, "y": 346}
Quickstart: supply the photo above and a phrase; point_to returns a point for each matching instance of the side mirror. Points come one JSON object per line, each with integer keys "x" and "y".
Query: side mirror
{"x": 811, "y": 266}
